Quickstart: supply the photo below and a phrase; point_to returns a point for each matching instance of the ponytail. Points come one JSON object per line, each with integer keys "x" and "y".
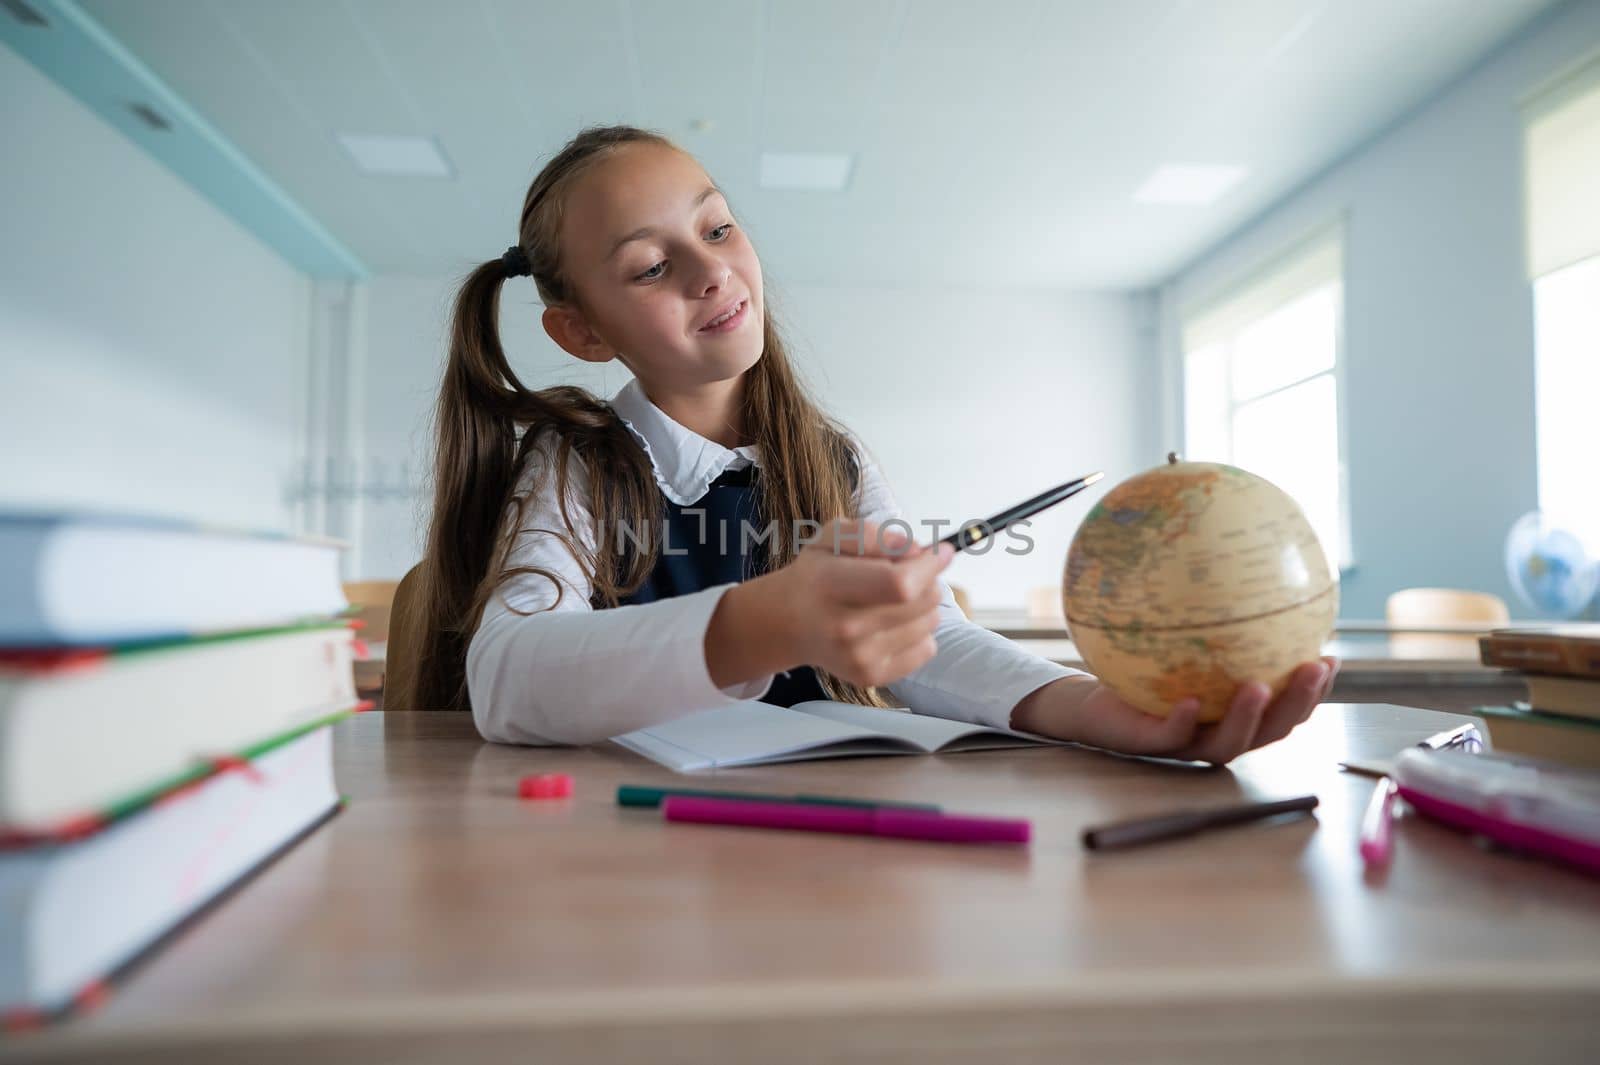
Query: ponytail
{"x": 486, "y": 424}
{"x": 474, "y": 467}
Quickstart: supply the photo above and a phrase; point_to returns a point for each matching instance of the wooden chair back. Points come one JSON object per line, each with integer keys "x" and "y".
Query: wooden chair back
{"x": 1430, "y": 606}
{"x": 404, "y": 651}
{"x": 1433, "y": 606}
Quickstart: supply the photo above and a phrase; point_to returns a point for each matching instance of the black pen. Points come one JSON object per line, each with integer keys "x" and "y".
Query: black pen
{"x": 1189, "y": 822}
{"x": 976, "y": 532}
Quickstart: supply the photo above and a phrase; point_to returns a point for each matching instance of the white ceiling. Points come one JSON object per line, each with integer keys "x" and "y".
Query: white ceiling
{"x": 997, "y": 143}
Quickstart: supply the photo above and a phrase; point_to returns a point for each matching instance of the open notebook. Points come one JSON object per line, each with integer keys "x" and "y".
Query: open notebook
{"x": 754, "y": 733}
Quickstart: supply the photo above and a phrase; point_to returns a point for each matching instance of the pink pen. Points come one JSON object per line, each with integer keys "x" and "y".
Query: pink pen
{"x": 853, "y": 821}
{"x": 1377, "y": 837}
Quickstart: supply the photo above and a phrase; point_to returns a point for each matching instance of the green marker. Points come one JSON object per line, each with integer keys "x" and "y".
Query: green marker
{"x": 632, "y": 795}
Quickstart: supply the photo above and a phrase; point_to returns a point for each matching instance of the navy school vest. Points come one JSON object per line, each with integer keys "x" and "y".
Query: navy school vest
{"x": 700, "y": 552}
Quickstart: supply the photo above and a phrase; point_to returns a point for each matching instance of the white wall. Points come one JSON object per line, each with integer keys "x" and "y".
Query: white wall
{"x": 1438, "y": 322}
{"x": 975, "y": 400}
{"x": 971, "y": 400}
{"x": 152, "y": 353}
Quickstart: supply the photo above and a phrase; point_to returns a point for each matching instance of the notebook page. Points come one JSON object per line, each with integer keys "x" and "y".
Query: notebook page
{"x": 753, "y": 733}
{"x": 928, "y": 733}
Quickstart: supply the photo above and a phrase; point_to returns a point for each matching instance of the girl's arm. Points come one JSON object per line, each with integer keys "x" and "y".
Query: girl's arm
{"x": 542, "y": 672}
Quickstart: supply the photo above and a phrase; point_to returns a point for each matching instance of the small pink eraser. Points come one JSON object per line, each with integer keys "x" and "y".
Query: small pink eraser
{"x": 545, "y": 786}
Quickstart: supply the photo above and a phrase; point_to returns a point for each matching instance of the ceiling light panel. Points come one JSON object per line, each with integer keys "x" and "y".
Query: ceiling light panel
{"x": 397, "y": 156}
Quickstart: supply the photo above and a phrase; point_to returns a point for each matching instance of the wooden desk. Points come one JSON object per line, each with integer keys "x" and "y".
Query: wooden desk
{"x": 1022, "y": 625}
{"x": 439, "y": 918}
{"x": 1435, "y": 666}
{"x": 1374, "y": 670}
{"x": 1367, "y": 657}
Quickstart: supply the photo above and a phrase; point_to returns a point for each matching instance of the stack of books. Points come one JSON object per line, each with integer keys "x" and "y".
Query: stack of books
{"x": 165, "y": 697}
{"x": 1561, "y": 665}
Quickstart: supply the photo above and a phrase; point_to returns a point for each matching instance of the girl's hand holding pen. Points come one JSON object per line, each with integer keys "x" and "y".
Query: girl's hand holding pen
{"x": 860, "y": 602}
{"x": 869, "y": 612}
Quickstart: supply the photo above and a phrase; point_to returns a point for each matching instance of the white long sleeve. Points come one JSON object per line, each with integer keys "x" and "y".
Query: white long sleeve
{"x": 570, "y": 674}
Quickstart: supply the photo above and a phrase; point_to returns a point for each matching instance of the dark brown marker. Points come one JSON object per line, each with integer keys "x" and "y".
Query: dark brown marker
{"x": 1189, "y": 823}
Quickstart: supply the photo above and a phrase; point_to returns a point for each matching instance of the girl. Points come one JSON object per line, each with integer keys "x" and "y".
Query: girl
{"x": 595, "y": 567}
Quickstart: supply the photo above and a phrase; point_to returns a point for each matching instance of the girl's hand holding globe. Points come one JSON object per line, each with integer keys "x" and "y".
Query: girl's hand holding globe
{"x": 1094, "y": 714}
{"x": 1200, "y": 598}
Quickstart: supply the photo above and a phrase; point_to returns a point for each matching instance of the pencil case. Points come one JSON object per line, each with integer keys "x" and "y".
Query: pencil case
{"x": 1522, "y": 803}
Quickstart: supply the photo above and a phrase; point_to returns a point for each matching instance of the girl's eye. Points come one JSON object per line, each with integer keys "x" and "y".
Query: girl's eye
{"x": 716, "y": 235}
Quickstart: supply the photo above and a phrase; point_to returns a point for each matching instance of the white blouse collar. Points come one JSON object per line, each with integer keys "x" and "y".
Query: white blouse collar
{"x": 685, "y": 462}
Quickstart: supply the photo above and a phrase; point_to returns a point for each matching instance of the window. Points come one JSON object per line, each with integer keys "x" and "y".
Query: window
{"x": 1261, "y": 383}
{"x": 1562, "y": 157}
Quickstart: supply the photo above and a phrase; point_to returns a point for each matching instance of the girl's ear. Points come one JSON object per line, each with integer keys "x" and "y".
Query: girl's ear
{"x": 568, "y": 327}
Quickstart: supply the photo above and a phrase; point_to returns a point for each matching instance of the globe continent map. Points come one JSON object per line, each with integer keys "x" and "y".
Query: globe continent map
{"x": 1192, "y": 579}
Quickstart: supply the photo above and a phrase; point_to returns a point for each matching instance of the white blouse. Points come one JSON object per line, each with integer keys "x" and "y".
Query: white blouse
{"x": 546, "y": 672}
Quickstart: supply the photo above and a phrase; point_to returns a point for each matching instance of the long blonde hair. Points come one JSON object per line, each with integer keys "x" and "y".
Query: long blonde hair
{"x": 488, "y": 424}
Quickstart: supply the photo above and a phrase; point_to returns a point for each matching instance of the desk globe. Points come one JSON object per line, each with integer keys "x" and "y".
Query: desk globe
{"x": 1193, "y": 578}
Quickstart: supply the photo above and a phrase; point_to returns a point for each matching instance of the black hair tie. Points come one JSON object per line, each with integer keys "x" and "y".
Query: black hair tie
{"x": 515, "y": 260}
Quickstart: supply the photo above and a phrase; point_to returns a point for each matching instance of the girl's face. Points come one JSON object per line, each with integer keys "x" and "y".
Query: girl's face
{"x": 651, "y": 249}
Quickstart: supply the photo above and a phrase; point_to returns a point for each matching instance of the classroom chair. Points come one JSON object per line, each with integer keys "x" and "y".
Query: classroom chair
{"x": 1044, "y": 604}
{"x": 1432, "y": 606}
{"x": 404, "y": 650}
{"x": 371, "y": 602}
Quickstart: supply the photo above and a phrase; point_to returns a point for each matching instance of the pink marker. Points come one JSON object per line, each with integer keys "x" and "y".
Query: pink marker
{"x": 850, "y": 821}
{"x": 1377, "y": 833}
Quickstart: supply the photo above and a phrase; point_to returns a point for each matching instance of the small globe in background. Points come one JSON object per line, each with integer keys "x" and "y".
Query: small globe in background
{"x": 1192, "y": 579}
{"x": 1549, "y": 567}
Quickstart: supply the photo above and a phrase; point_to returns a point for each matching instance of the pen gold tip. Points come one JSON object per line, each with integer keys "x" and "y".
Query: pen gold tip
{"x": 1093, "y": 477}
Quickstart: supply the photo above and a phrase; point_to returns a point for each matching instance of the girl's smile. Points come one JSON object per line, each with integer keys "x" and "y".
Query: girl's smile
{"x": 728, "y": 319}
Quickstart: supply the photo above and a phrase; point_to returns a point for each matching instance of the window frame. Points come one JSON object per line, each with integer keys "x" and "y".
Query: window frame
{"x": 1249, "y": 286}
{"x": 1560, "y": 127}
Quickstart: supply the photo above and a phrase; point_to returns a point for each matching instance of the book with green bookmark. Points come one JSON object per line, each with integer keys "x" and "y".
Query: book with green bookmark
{"x": 86, "y": 733}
